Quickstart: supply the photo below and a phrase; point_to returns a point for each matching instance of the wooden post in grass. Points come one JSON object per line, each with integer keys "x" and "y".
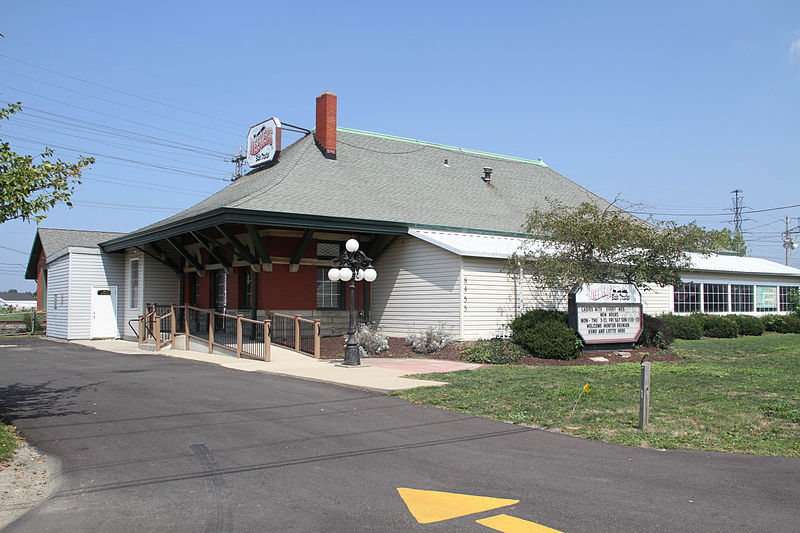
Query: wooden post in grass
{"x": 644, "y": 396}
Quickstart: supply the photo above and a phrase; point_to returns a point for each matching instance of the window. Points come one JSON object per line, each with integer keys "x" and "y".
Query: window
{"x": 715, "y": 298}
{"x": 248, "y": 296}
{"x": 788, "y": 298}
{"x": 687, "y": 298}
{"x": 220, "y": 288}
{"x": 742, "y": 299}
{"x": 766, "y": 299}
{"x": 330, "y": 294}
{"x": 134, "y": 284}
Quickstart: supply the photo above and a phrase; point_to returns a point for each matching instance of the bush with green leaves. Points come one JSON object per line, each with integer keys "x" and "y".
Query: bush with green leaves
{"x": 720, "y": 327}
{"x": 686, "y": 327}
{"x": 788, "y": 324}
{"x": 550, "y": 339}
{"x": 431, "y": 340}
{"x": 772, "y": 322}
{"x": 528, "y": 319}
{"x": 493, "y": 352}
{"x": 748, "y": 325}
{"x": 656, "y": 332}
{"x": 370, "y": 340}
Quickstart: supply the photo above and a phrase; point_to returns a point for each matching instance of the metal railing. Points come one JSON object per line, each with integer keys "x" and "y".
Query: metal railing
{"x": 297, "y": 333}
{"x": 246, "y": 337}
{"x": 158, "y": 327}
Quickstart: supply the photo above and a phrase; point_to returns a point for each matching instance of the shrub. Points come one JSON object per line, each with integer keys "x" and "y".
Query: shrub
{"x": 789, "y": 324}
{"x": 370, "y": 340}
{"x": 685, "y": 327}
{"x": 656, "y": 332}
{"x": 431, "y": 340}
{"x": 528, "y": 319}
{"x": 719, "y": 327}
{"x": 748, "y": 325}
{"x": 493, "y": 352}
{"x": 551, "y": 339}
{"x": 772, "y": 322}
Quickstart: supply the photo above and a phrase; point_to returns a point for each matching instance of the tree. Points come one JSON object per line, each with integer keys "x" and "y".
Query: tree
{"x": 28, "y": 190}
{"x": 723, "y": 240}
{"x": 587, "y": 244}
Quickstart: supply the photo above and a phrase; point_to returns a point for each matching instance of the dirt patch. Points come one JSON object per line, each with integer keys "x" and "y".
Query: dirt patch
{"x": 25, "y": 481}
{"x": 333, "y": 348}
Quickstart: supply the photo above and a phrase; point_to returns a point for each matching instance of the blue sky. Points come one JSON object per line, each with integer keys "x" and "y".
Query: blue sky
{"x": 670, "y": 106}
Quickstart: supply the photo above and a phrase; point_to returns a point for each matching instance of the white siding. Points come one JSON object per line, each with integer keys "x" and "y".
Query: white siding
{"x": 656, "y": 300}
{"x": 87, "y": 270}
{"x": 418, "y": 285}
{"x": 490, "y": 297}
{"x": 58, "y": 298}
{"x": 161, "y": 284}
{"x": 537, "y": 297}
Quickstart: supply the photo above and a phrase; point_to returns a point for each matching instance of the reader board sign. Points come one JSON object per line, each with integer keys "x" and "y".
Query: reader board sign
{"x": 606, "y": 312}
{"x": 263, "y": 142}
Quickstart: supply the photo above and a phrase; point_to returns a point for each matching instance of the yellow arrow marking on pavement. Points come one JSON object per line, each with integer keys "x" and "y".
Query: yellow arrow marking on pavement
{"x": 510, "y": 524}
{"x": 429, "y": 506}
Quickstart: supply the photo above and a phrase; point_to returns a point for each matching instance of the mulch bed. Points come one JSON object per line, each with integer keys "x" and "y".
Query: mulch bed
{"x": 333, "y": 348}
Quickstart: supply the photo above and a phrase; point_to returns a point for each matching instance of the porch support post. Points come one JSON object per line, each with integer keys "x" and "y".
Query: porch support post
{"x": 186, "y": 255}
{"x": 172, "y": 324}
{"x": 186, "y": 324}
{"x": 238, "y": 335}
{"x": 258, "y": 246}
{"x": 211, "y": 331}
{"x": 296, "y": 333}
{"x": 316, "y": 338}
{"x": 294, "y": 263}
{"x": 267, "y": 341}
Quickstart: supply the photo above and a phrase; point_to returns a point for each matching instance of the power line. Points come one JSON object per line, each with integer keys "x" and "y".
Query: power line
{"x": 154, "y": 153}
{"x": 127, "y": 93}
{"x": 109, "y": 101}
{"x": 13, "y": 250}
{"x": 104, "y": 114}
{"x": 98, "y": 154}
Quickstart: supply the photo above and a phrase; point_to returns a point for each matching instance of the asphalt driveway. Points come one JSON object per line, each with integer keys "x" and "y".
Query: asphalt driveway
{"x": 155, "y": 443}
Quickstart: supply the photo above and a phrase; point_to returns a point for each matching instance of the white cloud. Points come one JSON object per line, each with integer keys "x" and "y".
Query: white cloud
{"x": 794, "y": 50}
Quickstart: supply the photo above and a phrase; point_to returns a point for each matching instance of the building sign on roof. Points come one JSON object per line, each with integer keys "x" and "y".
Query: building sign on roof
{"x": 263, "y": 142}
{"x": 606, "y": 312}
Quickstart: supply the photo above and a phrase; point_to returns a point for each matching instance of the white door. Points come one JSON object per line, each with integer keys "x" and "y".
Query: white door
{"x": 104, "y": 313}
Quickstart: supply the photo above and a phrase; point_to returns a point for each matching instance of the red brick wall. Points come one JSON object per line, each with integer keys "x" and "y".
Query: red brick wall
{"x": 40, "y": 285}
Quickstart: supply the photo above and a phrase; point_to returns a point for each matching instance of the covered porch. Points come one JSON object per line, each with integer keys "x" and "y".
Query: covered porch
{"x": 232, "y": 268}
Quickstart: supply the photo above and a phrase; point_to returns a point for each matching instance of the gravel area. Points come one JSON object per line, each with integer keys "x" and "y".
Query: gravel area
{"x": 25, "y": 481}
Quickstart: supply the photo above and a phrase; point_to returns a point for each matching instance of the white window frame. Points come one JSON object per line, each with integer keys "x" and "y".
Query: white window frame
{"x": 134, "y": 286}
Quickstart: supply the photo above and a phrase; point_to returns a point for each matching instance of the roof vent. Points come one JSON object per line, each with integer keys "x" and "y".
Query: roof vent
{"x": 487, "y": 174}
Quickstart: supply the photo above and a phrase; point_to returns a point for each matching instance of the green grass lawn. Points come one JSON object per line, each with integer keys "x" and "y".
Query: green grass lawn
{"x": 8, "y": 442}
{"x": 735, "y": 395}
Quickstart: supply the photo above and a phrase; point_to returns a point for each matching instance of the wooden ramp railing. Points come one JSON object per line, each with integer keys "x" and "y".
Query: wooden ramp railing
{"x": 166, "y": 324}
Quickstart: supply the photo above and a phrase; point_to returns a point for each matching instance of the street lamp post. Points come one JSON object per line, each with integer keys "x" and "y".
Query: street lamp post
{"x": 352, "y": 265}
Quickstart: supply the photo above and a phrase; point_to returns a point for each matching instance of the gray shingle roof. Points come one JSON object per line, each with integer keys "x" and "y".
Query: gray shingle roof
{"x": 384, "y": 178}
{"x": 51, "y": 240}
{"x": 17, "y": 296}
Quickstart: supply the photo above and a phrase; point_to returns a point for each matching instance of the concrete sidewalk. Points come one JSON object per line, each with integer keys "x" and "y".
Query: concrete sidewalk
{"x": 374, "y": 374}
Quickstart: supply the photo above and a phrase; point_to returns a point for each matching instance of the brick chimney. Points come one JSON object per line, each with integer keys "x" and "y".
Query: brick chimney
{"x": 325, "y": 136}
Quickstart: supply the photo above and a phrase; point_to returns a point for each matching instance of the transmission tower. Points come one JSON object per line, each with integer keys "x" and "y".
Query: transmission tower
{"x": 737, "y": 211}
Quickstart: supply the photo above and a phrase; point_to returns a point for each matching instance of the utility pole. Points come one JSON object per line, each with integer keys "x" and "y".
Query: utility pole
{"x": 238, "y": 160}
{"x": 788, "y": 243}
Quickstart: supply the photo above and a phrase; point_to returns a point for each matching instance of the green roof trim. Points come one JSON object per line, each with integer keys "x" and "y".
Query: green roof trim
{"x": 445, "y": 147}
